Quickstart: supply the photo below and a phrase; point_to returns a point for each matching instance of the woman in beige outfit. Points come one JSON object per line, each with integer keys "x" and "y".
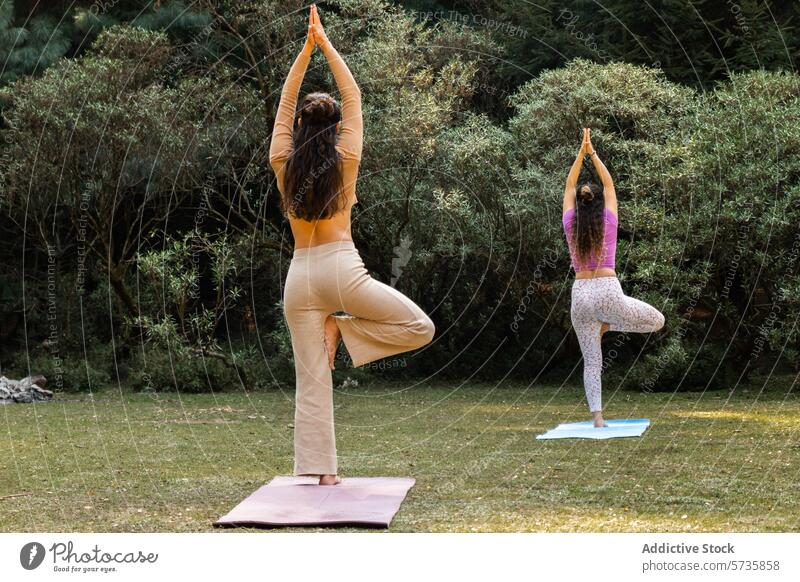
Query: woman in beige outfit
{"x": 315, "y": 153}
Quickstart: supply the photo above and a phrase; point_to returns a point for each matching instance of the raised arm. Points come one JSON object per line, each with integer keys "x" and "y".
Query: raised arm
{"x": 281, "y": 145}
{"x": 609, "y": 193}
{"x": 352, "y": 130}
{"x": 574, "y": 174}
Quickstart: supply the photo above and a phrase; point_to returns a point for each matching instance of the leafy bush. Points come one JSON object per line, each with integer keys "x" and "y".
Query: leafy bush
{"x": 459, "y": 210}
{"x": 66, "y": 371}
{"x": 163, "y": 370}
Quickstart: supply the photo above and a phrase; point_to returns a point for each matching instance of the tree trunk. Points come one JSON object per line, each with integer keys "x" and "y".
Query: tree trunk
{"x": 116, "y": 275}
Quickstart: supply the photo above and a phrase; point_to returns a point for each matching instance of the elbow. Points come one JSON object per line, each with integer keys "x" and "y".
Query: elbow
{"x": 274, "y": 160}
{"x": 276, "y": 151}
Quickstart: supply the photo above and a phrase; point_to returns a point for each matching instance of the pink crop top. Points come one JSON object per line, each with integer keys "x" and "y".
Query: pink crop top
{"x": 609, "y": 251}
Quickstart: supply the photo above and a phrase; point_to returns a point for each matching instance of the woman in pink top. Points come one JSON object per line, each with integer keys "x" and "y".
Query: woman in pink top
{"x": 598, "y": 303}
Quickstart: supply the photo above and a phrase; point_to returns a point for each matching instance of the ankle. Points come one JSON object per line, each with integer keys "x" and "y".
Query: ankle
{"x": 329, "y": 479}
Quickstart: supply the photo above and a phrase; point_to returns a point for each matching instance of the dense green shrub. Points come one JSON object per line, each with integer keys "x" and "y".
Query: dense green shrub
{"x": 138, "y": 147}
{"x": 74, "y": 370}
{"x": 105, "y": 148}
{"x": 744, "y": 156}
{"x": 158, "y": 370}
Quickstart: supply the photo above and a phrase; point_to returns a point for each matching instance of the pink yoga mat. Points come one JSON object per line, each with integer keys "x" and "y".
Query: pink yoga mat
{"x": 300, "y": 501}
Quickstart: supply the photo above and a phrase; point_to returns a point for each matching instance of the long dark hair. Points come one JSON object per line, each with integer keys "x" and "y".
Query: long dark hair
{"x": 313, "y": 178}
{"x": 589, "y": 226}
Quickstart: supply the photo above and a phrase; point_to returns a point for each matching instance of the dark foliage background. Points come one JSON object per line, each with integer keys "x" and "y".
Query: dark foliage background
{"x": 140, "y": 240}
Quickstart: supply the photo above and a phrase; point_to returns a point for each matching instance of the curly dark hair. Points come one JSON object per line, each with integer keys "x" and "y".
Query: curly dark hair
{"x": 589, "y": 226}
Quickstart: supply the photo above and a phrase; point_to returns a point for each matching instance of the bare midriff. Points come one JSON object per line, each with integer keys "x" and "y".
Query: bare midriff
{"x": 320, "y": 232}
{"x": 349, "y": 145}
{"x": 596, "y": 273}
{"x": 336, "y": 228}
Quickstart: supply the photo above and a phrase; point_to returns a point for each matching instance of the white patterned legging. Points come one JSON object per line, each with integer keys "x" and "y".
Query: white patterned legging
{"x": 601, "y": 300}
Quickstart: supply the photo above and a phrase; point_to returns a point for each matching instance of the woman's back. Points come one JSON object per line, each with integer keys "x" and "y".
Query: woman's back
{"x": 309, "y": 233}
{"x": 312, "y": 233}
{"x": 607, "y": 255}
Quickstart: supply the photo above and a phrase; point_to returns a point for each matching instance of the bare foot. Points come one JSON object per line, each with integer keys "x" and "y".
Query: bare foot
{"x": 604, "y": 328}
{"x": 332, "y": 337}
{"x": 329, "y": 480}
{"x": 598, "y": 420}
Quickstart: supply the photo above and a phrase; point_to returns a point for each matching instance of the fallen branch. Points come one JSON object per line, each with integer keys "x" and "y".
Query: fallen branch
{"x": 227, "y": 361}
{"x": 15, "y": 495}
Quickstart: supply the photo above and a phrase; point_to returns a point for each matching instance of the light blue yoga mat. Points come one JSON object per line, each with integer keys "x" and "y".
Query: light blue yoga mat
{"x": 628, "y": 427}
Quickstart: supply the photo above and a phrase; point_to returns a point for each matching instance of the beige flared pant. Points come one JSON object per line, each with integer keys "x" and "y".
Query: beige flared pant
{"x": 380, "y": 322}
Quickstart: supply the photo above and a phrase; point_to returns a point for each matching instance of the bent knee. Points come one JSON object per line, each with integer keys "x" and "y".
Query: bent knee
{"x": 659, "y": 321}
{"x": 423, "y": 330}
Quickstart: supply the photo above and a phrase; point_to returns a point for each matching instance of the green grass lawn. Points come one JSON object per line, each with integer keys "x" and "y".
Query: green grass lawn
{"x": 175, "y": 462}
